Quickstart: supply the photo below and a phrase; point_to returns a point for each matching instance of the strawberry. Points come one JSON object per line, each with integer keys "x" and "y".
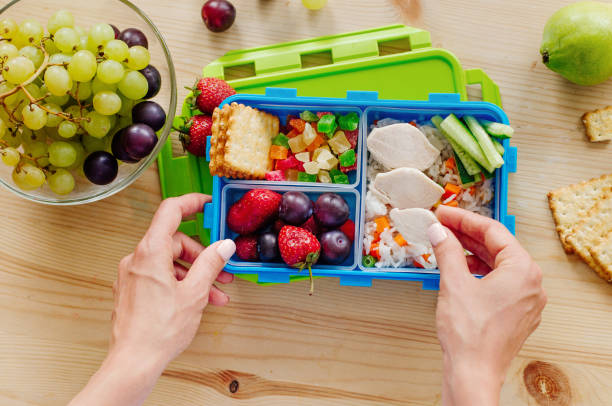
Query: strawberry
{"x": 194, "y": 132}
{"x": 246, "y": 248}
{"x": 255, "y": 209}
{"x": 299, "y": 248}
{"x": 352, "y": 137}
{"x": 210, "y": 92}
{"x": 348, "y": 228}
{"x": 311, "y": 225}
{"x": 347, "y": 169}
{"x": 323, "y": 113}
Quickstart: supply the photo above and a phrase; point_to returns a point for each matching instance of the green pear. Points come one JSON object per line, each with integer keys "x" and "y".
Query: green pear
{"x": 577, "y": 42}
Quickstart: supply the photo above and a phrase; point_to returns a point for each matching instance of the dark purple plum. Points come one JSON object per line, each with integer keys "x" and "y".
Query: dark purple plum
{"x": 267, "y": 246}
{"x": 119, "y": 151}
{"x": 139, "y": 140}
{"x": 153, "y": 79}
{"x": 331, "y": 210}
{"x": 133, "y": 37}
{"x": 117, "y": 32}
{"x": 218, "y": 15}
{"x": 295, "y": 208}
{"x": 100, "y": 167}
{"x": 149, "y": 113}
{"x": 335, "y": 247}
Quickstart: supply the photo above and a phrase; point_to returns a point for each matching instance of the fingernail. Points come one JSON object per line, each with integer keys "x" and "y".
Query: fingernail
{"x": 226, "y": 249}
{"x": 436, "y": 234}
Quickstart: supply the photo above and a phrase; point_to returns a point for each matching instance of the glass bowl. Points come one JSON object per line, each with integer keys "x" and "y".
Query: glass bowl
{"x": 123, "y": 14}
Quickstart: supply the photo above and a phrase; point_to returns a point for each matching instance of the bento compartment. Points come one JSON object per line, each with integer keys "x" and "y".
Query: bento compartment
{"x": 341, "y": 148}
{"x": 232, "y": 192}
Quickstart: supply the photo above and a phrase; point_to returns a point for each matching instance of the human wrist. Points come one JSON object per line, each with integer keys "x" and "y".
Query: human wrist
{"x": 139, "y": 364}
{"x": 471, "y": 383}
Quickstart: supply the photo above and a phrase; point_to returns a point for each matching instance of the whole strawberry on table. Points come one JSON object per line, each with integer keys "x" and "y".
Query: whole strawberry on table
{"x": 292, "y": 228}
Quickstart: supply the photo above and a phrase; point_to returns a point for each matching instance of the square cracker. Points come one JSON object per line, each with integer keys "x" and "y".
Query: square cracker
{"x": 592, "y": 231}
{"x": 217, "y": 142}
{"x": 602, "y": 255}
{"x": 598, "y": 124}
{"x": 569, "y": 205}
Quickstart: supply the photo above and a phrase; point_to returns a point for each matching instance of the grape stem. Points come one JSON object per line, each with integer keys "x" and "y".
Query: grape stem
{"x": 27, "y": 157}
{"x": 32, "y": 78}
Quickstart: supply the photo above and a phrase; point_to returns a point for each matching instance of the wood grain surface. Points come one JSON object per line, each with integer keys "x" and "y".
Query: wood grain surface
{"x": 345, "y": 345}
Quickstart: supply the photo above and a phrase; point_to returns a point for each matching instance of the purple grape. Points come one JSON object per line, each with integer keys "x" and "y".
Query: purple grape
{"x": 117, "y": 147}
{"x": 100, "y": 167}
{"x": 267, "y": 246}
{"x": 149, "y": 113}
{"x": 335, "y": 247}
{"x": 139, "y": 140}
{"x": 218, "y": 15}
{"x": 133, "y": 37}
{"x": 295, "y": 208}
{"x": 117, "y": 32}
{"x": 331, "y": 210}
{"x": 153, "y": 79}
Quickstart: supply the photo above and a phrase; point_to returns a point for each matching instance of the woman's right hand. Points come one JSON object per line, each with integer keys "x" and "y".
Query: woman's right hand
{"x": 482, "y": 323}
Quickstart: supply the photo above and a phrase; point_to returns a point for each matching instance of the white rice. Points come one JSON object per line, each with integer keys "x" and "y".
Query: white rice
{"x": 391, "y": 254}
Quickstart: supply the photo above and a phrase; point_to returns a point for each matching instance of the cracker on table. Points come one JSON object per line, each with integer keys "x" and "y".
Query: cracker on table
{"x": 602, "y": 255}
{"x": 593, "y": 231}
{"x": 598, "y": 124}
{"x": 569, "y": 205}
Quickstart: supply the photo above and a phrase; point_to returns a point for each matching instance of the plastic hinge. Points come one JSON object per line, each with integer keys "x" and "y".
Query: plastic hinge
{"x": 355, "y": 281}
{"x": 355, "y": 50}
{"x": 511, "y": 158}
{"x": 444, "y": 97}
{"x": 510, "y": 223}
{"x": 431, "y": 284}
{"x": 273, "y": 277}
{"x": 208, "y": 140}
{"x": 284, "y": 92}
{"x": 208, "y": 216}
{"x": 357, "y": 95}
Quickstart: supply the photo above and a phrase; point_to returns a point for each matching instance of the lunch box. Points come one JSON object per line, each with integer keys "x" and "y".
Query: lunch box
{"x": 284, "y": 101}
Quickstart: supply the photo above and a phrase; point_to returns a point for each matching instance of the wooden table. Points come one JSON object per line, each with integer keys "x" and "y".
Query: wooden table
{"x": 345, "y": 345}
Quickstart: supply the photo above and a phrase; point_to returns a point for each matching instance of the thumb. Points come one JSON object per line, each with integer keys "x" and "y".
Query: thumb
{"x": 208, "y": 265}
{"x": 450, "y": 255}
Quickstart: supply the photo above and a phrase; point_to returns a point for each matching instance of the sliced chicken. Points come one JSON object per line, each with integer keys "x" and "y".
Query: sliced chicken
{"x": 406, "y": 188}
{"x": 412, "y": 224}
{"x": 402, "y": 145}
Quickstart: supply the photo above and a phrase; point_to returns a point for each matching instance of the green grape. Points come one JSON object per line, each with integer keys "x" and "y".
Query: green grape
{"x": 139, "y": 58}
{"x": 98, "y": 86}
{"x": 38, "y": 150}
{"x": 57, "y": 80}
{"x": 34, "y": 90}
{"x": 8, "y": 28}
{"x": 81, "y": 32}
{"x": 34, "y": 54}
{"x": 66, "y": 39}
{"x": 107, "y": 103}
{"x": 113, "y": 120}
{"x": 110, "y": 71}
{"x": 50, "y": 47}
{"x": 28, "y": 136}
{"x": 74, "y": 111}
{"x": 53, "y": 120}
{"x": 30, "y": 32}
{"x": 19, "y": 175}
{"x": 34, "y": 176}
{"x": 83, "y": 43}
{"x": 61, "y": 182}
{"x": 57, "y": 59}
{"x": 12, "y": 138}
{"x": 80, "y": 158}
{"x": 124, "y": 121}
{"x": 62, "y": 154}
{"x": 8, "y": 50}
{"x": 67, "y": 129}
{"x": 97, "y": 125}
{"x": 100, "y": 34}
{"x": 34, "y": 117}
{"x": 59, "y": 100}
{"x": 3, "y": 128}
{"x": 117, "y": 50}
{"x": 61, "y": 19}
{"x": 10, "y": 156}
{"x": 18, "y": 69}
{"x": 134, "y": 85}
{"x": 93, "y": 144}
{"x": 83, "y": 66}
{"x": 84, "y": 90}
{"x": 52, "y": 134}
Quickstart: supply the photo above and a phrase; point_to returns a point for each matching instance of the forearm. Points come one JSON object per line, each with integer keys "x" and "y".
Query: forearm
{"x": 466, "y": 385}
{"x": 122, "y": 380}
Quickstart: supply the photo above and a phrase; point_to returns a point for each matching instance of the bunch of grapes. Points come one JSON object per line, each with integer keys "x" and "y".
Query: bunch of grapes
{"x": 73, "y": 101}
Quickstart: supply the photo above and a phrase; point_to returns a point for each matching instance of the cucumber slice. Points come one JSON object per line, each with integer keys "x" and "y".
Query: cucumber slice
{"x": 469, "y": 164}
{"x": 497, "y": 130}
{"x": 467, "y": 180}
{"x": 458, "y": 132}
{"x": 485, "y": 142}
{"x": 499, "y": 147}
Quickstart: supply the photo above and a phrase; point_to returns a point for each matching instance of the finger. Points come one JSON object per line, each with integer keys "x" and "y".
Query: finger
{"x": 490, "y": 233}
{"x": 209, "y": 264}
{"x": 180, "y": 271}
{"x": 217, "y": 297}
{"x": 450, "y": 255}
{"x": 475, "y": 248}
{"x": 185, "y": 248}
{"x": 225, "y": 277}
{"x": 477, "y": 266}
{"x": 172, "y": 210}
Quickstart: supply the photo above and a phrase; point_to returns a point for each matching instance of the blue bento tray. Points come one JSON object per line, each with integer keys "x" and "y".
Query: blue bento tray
{"x": 281, "y": 102}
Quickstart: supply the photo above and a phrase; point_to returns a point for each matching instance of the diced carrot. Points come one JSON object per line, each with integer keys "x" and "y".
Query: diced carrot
{"x": 298, "y": 124}
{"x": 413, "y": 123}
{"x": 318, "y": 141}
{"x": 472, "y": 190}
{"x": 278, "y": 152}
{"x": 426, "y": 257}
{"x": 452, "y": 189}
{"x": 293, "y": 133}
{"x": 382, "y": 223}
{"x": 374, "y": 251}
{"x": 417, "y": 265}
{"x": 452, "y": 203}
{"x": 400, "y": 240}
{"x": 376, "y": 236}
{"x": 450, "y": 163}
